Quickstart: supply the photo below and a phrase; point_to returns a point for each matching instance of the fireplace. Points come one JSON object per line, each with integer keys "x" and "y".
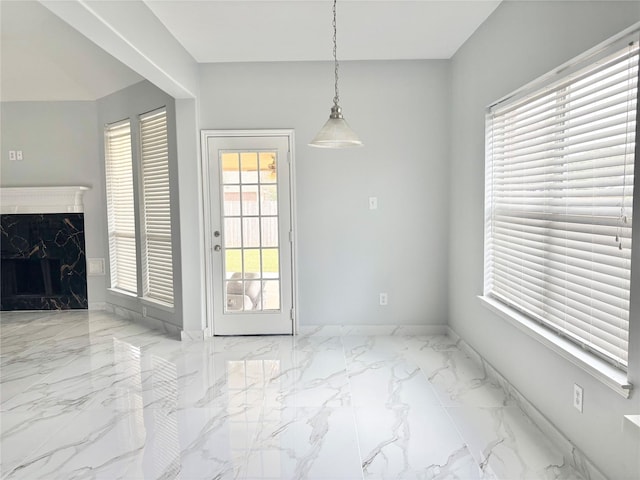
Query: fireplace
{"x": 42, "y": 249}
{"x": 30, "y": 276}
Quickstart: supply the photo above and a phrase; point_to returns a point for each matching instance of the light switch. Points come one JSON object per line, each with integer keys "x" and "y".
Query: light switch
{"x": 19, "y": 155}
{"x": 373, "y": 203}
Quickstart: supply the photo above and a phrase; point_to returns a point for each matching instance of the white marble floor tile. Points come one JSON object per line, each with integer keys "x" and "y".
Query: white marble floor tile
{"x": 22, "y": 339}
{"x": 459, "y": 380}
{"x": 24, "y": 371}
{"x": 107, "y": 445}
{"x": 507, "y": 445}
{"x": 140, "y": 444}
{"x": 311, "y": 443}
{"x": 91, "y": 395}
{"x": 367, "y": 349}
{"x": 23, "y": 432}
{"x": 405, "y": 442}
{"x": 389, "y": 383}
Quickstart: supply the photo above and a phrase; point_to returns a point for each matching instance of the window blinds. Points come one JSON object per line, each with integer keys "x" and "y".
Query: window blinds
{"x": 120, "y": 207}
{"x": 559, "y": 190}
{"x": 157, "y": 255}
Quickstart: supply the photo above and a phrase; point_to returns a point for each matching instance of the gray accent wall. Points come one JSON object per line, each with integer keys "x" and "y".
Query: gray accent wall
{"x": 132, "y": 102}
{"x": 59, "y": 141}
{"x": 348, "y": 254}
{"x": 518, "y": 43}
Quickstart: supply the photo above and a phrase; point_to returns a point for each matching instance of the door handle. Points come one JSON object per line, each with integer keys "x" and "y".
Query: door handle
{"x": 216, "y": 233}
{"x": 217, "y": 248}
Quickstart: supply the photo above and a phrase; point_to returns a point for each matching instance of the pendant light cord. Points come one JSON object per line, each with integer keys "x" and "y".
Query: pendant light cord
{"x": 336, "y": 132}
{"x": 336, "y": 98}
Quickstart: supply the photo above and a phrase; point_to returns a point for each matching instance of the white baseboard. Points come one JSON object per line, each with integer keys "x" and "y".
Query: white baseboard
{"x": 192, "y": 335}
{"x": 149, "y": 322}
{"x": 370, "y": 330}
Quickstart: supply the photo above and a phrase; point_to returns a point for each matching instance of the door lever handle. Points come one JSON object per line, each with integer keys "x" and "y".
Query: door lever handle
{"x": 217, "y": 248}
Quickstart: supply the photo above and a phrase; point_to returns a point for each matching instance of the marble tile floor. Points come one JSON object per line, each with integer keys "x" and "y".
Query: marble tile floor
{"x": 91, "y": 395}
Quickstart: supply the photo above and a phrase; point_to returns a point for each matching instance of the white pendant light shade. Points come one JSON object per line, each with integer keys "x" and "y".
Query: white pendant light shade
{"x": 336, "y": 133}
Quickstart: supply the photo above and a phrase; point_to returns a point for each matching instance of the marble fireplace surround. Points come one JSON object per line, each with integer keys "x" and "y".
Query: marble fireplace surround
{"x": 43, "y": 248}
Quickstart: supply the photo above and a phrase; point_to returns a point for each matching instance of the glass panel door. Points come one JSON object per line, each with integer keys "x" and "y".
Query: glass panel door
{"x": 251, "y": 254}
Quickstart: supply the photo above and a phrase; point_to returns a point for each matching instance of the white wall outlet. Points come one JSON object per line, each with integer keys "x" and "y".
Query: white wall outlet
{"x": 578, "y": 397}
{"x": 373, "y": 203}
{"x": 19, "y": 155}
{"x": 384, "y": 299}
{"x": 95, "y": 266}
{"x": 12, "y": 155}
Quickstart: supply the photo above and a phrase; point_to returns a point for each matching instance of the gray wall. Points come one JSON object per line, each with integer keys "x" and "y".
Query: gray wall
{"x": 59, "y": 141}
{"x": 518, "y": 43}
{"x": 348, "y": 254}
{"x": 130, "y": 103}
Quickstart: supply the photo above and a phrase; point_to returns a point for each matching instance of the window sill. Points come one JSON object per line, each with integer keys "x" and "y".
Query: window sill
{"x": 601, "y": 370}
{"x": 122, "y": 293}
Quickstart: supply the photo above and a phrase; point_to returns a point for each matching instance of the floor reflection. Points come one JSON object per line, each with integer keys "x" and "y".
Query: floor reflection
{"x": 100, "y": 397}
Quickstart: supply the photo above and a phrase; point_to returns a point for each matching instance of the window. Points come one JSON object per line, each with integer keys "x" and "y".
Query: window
{"x": 559, "y": 189}
{"x": 157, "y": 259}
{"x": 139, "y": 212}
{"x": 120, "y": 207}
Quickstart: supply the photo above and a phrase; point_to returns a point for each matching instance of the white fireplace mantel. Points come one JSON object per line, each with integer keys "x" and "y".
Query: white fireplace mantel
{"x": 42, "y": 199}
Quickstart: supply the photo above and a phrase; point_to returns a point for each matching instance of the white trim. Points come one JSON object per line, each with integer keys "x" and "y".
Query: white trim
{"x": 15, "y": 200}
{"x": 192, "y": 335}
{"x": 598, "y": 368}
{"x": 122, "y": 293}
{"x": 371, "y": 330}
{"x": 149, "y": 321}
{"x": 205, "y": 134}
{"x": 294, "y": 240}
{"x": 206, "y": 211}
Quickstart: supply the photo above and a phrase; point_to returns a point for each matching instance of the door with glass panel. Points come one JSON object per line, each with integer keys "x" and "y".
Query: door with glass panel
{"x": 250, "y": 232}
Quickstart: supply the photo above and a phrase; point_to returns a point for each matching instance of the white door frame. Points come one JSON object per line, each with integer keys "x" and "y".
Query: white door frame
{"x": 205, "y": 135}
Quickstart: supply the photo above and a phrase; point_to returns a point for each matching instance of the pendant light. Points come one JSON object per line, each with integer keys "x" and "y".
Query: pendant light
{"x": 336, "y": 133}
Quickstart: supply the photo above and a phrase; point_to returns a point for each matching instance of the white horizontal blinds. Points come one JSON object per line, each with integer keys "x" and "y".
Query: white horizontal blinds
{"x": 120, "y": 207}
{"x": 157, "y": 259}
{"x": 560, "y": 164}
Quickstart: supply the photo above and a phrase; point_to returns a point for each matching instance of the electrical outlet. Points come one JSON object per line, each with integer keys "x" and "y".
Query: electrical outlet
{"x": 578, "y": 397}
{"x": 144, "y": 311}
{"x": 95, "y": 266}
{"x": 19, "y": 155}
{"x": 384, "y": 299}
{"x": 12, "y": 155}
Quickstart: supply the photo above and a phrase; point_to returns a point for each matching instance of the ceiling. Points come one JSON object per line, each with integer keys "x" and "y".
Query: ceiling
{"x": 300, "y": 30}
{"x": 43, "y": 58}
